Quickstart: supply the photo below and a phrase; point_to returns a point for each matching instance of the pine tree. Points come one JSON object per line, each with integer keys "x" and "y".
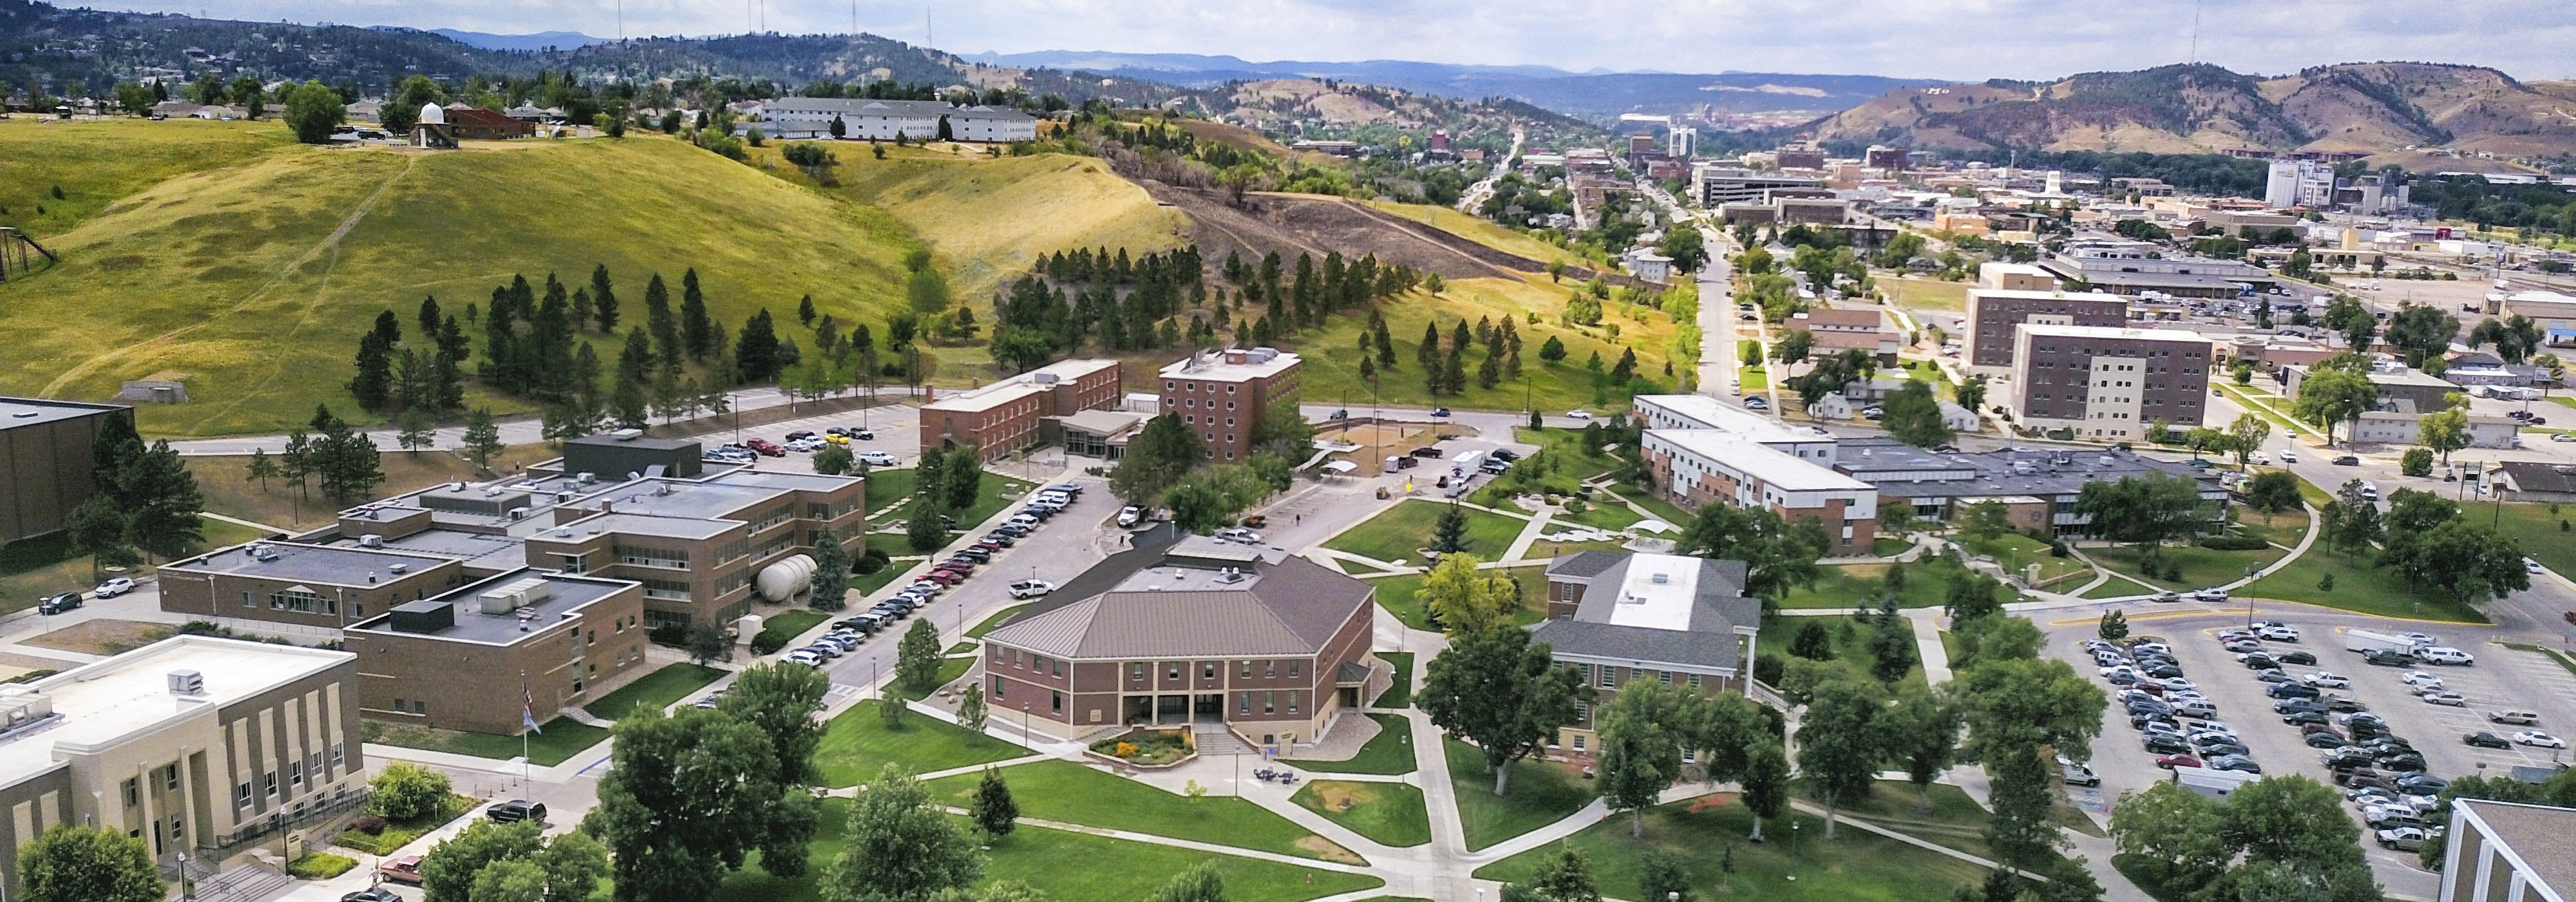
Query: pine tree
{"x": 658, "y": 318}
{"x": 1449, "y": 533}
{"x": 603, "y": 300}
{"x": 262, "y": 469}
{"x": 1429, "y": 351}
{"x": 698, "y": 334}
{"x": 429, "y": 318}
{"x": 831, "y": 588}
{"x": 374, "y": 382}
{"x": 993, "y": 810}
{"x": 756, "y": 351}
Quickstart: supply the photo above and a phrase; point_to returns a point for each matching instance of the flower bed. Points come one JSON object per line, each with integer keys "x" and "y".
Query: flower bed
{"x": 320, "y": 866}
{"x": 1148, "y": 748}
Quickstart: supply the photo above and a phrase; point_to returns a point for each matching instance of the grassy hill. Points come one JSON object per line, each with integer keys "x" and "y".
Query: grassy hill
{"x": 95, "y": 163}
{"x": 1331, "y": 374}
{"x": 250, "y": 279}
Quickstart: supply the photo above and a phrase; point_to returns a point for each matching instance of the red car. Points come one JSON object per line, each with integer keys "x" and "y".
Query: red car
{"x": 961, "y": 565}
{"x": 944, "y": 577}
{"x": 402, "y": 870}
{"x": 986, "y": 547}
{"x": 765, "y": 447}
{"x": 2170, "y": 762}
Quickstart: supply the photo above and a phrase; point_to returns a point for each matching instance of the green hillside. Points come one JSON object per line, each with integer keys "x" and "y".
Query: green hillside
{"x": 95, "y": 163}
{"x": 251, "y": 280}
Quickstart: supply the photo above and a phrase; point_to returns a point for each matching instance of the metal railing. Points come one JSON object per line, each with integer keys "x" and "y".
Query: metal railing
{"x": 252, "y": 833}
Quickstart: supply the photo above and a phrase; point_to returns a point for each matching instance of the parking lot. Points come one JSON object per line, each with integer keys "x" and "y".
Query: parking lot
{"x": 2501, "y": 679}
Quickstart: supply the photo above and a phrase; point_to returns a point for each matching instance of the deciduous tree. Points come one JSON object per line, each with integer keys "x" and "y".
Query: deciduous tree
{"x": 1502, "y": 692}
{"x": 71, "y": 863}
{"x": 901, "y": 848}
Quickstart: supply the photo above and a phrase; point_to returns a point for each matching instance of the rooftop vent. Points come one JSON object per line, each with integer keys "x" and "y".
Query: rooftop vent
{"x": 398, "y": 568}
{"x": 627, "y": 435}
{"x": 563, "y": 532}
{"x": 263, "y": 552}
{"x": 187, "y": 682}
{"x": 371, "y": 577}
{"x": 585, "y": 478}
{"x": 1663, "y": 578}
{"x": 1043, "y": 378}
{"x": 518, "y": 513}
{"x": 371, "y": 540}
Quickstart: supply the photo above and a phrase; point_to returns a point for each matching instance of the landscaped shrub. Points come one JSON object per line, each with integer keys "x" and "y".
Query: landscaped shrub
{"x": 2235, "y": 541}
{"x": 766, "y": 642}
{"x": 673, "y": 635}
{"x": 370, "y": 825}
{"x": 320, "y": 865}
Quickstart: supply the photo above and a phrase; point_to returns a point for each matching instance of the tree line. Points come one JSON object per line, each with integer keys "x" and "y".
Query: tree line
{"x": 142, "y": 500}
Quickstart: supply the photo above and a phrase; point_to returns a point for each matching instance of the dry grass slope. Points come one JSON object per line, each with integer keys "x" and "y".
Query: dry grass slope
{"x": 251, "y": 281}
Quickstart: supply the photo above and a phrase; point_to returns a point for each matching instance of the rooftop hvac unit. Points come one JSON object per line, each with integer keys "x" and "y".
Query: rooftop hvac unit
{"x": 1663, "y": 578}
{"x": 263, "y": 552}
{"x": 491, "y": 491}
{"x": 187, "y": 682}
{"x": 518, "y": 513}
{"x": 371, "y": 540}
{"x": 1044, "y": 378}
{"x": 627, "y": 435}
{"x": 515, "y": 595}
{"x": 585, "y": 478}
{"x": 398, "y": 569}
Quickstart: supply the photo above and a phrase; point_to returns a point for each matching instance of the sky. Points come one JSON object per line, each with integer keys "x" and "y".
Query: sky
{"x": 1951, "y": 39}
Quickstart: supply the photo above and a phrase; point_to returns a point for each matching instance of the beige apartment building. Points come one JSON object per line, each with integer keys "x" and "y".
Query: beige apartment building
{"x": 195, "y": 745}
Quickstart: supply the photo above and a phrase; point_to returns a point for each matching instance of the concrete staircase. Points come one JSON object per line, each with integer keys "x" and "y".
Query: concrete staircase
{"x": 243, "y": 883}
{"x": 1215, "y": 739}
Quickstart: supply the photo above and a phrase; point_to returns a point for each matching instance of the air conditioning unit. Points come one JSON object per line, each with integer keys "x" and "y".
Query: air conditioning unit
{"x": 398, "y": 569}
{"x": 371, "y": 540}
{"x": 187, "y": 682}
{"x": 627, "y": 435}
{"x": 518, "y": 513}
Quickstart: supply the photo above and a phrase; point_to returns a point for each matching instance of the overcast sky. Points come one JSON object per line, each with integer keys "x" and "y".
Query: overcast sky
{"x": 1958, "y": 39}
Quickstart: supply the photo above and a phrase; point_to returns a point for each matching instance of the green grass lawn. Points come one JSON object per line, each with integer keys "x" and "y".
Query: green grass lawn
{"x": 559, "y": 739}
{"x": 1331, "y": 353}
{"x": 2358, "y": 587}
{"x": 1567, "y": 445}
{"x": 1888, "y": 546}
{"x": 2201, "y": 567}
{"x": 1399, "y": 533}
{"x": 1390, "y": 813}
{"x": 2248, "y": 400}
{"x": 1923, "y": 294}
{"x": 1539, "y": 793}
{"x": 1927, "y": 584}
{"x": 1073, "y": 793}
{"x": 1040, "y": 857}
{"x": 866, "y": 584}
{"x": 1662, "y": 509}
{"x": 949, "y": 670}
{"x": 1954, "y": 820}
{"x": 995, "y": 621}
{"x": 2118, "y": 586}
{"x": 885, "y": 487}
{"x": 856, "y": 746}
{"x": 1544, "y": 549}
{"x": 1399, "y": 691}
{"x": 1613, "y": 517}
{"x": 1395, "y": 593}
{"x": 1850, "y": 639}
{"x": 785, "y": 626}
{"x": 2536, "y": 527}
{"x": 1389, "y": 752}
{"x": 654, "y": 690}
{"x": 1753, "y": 379}
{"x": 2015, "y": 551}
{"x": 1855, "y": 867}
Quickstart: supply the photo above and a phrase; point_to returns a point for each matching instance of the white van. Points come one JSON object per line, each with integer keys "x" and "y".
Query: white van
{"x": 2370, "y": 491}
{"x": 2444, "y": 655}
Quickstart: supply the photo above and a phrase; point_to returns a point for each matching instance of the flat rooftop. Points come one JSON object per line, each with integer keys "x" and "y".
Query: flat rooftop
{"x": 565, "y": 594}
{"x": 680, "y": 498}
{"x": 631, "y": 523}
{"x": 104, "y": 702}
{"x": 482, "y": 551}
{"x": 2030, "y": 295}
{"x": 1901, "y": 470}
{"x": 1776, "y": 468}
{"x": 1660, "y": 592}
{"x": 1034, "y": 382}
{"x": 2114, "y": 332}
{"x": 1212, "y": 365}
{"x": 33, "y": 411}
{"x": 331, "y": 564}
{"x": 1713, "y": 414}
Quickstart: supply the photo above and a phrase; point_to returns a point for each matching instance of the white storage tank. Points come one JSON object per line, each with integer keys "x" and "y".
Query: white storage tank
{"x": 783, "y": 581}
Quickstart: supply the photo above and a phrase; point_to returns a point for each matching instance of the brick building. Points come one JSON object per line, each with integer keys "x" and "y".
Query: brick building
{"x": 1202, "y": 634}
{"x": 1224, "y": 396}
{"x": 486, "y": 125}
{"x": 471, "y": 658}
{"x": 1003, "y": 417}
{"x": 301, "y": 584}
{"x": 1692, "y": 467}
{"x": 2109, "y": 383}
{"x": 45, "y": 461}
{"x": 2038, "y": 488}
{"x": 1993, "y": 312}
{"x": 1621, "y": 618}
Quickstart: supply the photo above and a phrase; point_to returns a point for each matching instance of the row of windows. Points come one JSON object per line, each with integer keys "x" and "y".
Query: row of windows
{"x": 666, "y": 590}
{"x": 774, "y": 518}
{"x": 302, "y": 603}
{"x": 639, "y": 556}
{"x": 1269, "y": 702}
{"x": 1194, "y": 402}
{"x": 1609, "y": 676}
{"x": 734, "y": 580}
{"x": 268, "y": 782}
{"x": 1193, "y": 386}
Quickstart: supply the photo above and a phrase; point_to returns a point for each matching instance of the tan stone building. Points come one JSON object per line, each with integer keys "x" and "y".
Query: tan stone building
{"x": 195, "y": 745}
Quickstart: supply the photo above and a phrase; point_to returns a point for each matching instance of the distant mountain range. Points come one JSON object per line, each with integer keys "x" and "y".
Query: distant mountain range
{"x": 543, "y": 40}
{"x": 2369, "y": 107}
{"x": 1593, "y": 95}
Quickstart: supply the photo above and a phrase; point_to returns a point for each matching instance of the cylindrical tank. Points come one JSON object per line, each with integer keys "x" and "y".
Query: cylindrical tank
{"x": 780, "y": 582}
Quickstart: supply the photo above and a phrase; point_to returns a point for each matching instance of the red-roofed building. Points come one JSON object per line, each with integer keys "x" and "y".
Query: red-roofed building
{"x": 486, "y": 125}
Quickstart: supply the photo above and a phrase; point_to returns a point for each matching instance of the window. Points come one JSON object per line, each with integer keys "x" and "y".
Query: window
{"x": 133, "y": 794}
{"x": 299, "y": 602}
{"x": 1666, "y": 676}
{"x": 1269, "y": 669}
{"x": 1247, "y": 670}
{"x": 591, "y": 638}
{"x": 666, "y": 589}
{"x": 997, "y": 687}
{"x": 1246, "y": 707}
{"x": 1207, "y": 670}
{"x": 731, "y": 581}
{"x": 268, "y": 783}
{"x": 247, "y": 602}
{"x": 653, "y": 557}
{"x": 1269, "y": 702}
{"x": 1172, "y": 670}
{"x": 1136, "y": 670}
{"x": 295, "y": 773}
{"x": 1295, "y": 667}
{"x": 339, "y": 755}
{"x": 1056, "y": 703}
{"x": 398, "y": 706}
{"x": 420, "y": 706}
{"x": 1578, "y": 742}
{"x": 1059, "y": 667}
{"x": 1609, "y": 677}
{"x": 1292, "y": 701}
{"x": 170, "y": 778}
{"x": 241, "y": 794}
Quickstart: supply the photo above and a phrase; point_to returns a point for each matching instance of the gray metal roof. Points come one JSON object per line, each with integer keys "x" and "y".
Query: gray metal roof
{"x": 27, "y": 411}
{"x": 2543, "y": 837}
{"x": 1291, "y": 607}
{"x": 1646, "y": 646}
{"x": 1718, "y": 606}
{"x": 1584, "y": 564}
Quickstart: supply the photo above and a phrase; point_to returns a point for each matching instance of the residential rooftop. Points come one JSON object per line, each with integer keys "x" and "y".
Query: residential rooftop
{"x": 97, "y": 705}
{"x": 2107, "y": 332}
{"x": 467, "y": 618}
{"x": 290, "y": 561}
{"x": 1222, "y": 366}
{"x": 1663, "y": 608}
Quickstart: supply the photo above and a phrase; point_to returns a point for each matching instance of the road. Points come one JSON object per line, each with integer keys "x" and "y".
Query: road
{"x": 1474, "y": 197}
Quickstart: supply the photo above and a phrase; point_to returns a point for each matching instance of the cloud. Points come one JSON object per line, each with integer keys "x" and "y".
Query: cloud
{"x": 1960, "y": 39}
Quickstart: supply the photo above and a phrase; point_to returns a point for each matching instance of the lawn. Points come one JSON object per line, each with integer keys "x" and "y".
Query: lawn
{"x": 2201, "y": 567}
{"x": 1753, "y": 379}
{"x": 1888, "y": 546}
{"x": 2543, "y": 530}
{"x": 397, "y": 834}
{"x": 1850, "y": 638}
{"x": 785, "y": 626}
{"x": 995, "y": 621}
{"x": 655, "y": 690}
{"x": 1399, "y": 533}
{"x": 1399, "y": 689}
{"x": 1389, "y": 752}
{"x": 1613, "y": 517}
{"x": 1927, "y": 584}
{"x": 2118, "y": 586}
{"x": 1955, "y": 820}
{"x": 1544, "y": 549}
{"x": 1540, "y": 793}
{"x": 319, "y": 240}
{"x": 1390, "y": 813}
{"x": 949, "y": 670}
{"x": 1568, "y": 447}
{"x": 559, "y": 739}
{"x": 2255, "y": 404}
{"x": 1331, "y": 353}
{"x": 1796, "y": 862}
{"x": 1041, "y": 857}
{"x": 97, "y": 162}
{"x": 2358, "y": 587}
{"x": 2016, "y": 552}
{"x": 994, "y": 492}
{"x": 1481, "y": 231}
{"x": 1924, "y": 294}
{"x": 1662, "y": 509}
{"x": 1072, "y": 793}
{"x": 856, "y": 746}
{"x": 1395, "y": 593}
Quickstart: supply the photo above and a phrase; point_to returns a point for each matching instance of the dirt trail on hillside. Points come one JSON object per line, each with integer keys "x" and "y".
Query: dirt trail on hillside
{"x": 1299, "y": 223}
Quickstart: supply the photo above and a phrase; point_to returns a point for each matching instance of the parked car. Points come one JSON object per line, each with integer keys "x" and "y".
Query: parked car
{"x": 59, "y": 603}
{"x": 2325, "y": 680}
{"x": 2539, "y": 739}
{"x": 2324, "y": 741}
{"x": 2347, "y": 460}
{"x": 114, "y": 587}
{"x": 1130, "y": 516}
{"x": 2170, "y": 762}
{"x": 2452, "y": 699}
{"x": 2078, "y": 774}
{"x": 2381, "y": 657}
{"x": 371, "y": 894}
{"x": 2235, "y": 763}
{"x": 2301, "y": 658}
{"x": 1031, "y": 588}
{"x": 401, "y": 870}
{"x": 516, "y": 810}
{"x": 1757, "y": 402}
{"x": 1579, "y": 414}
{"x": 2484, "y": 739}
{"x": 2278, "y": 634}
{"x": 1238, "y": 534}
{"x": 876, "y": 458}
{"x": 2403, "y": 839}
{"x": 2514, "y": 717}
{"x": 1439, "y": 411}
{"x": 765, "y": 447}
{"x": 2450, "y": 656}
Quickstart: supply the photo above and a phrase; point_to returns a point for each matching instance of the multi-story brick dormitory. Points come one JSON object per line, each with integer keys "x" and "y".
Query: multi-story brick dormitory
{"x": 694, "y": 544}
{"x": 1994, "y": 312}
{"x": 1006, "y": 416}
{"x": 2108, "y": 384}
{"x": 1698, "y": 450}
{"x": 1202, "y": 634}
{"x": 1621, "y": 618}
{"x": 482, "y": 657}
{"x": 1225, "y": 395}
